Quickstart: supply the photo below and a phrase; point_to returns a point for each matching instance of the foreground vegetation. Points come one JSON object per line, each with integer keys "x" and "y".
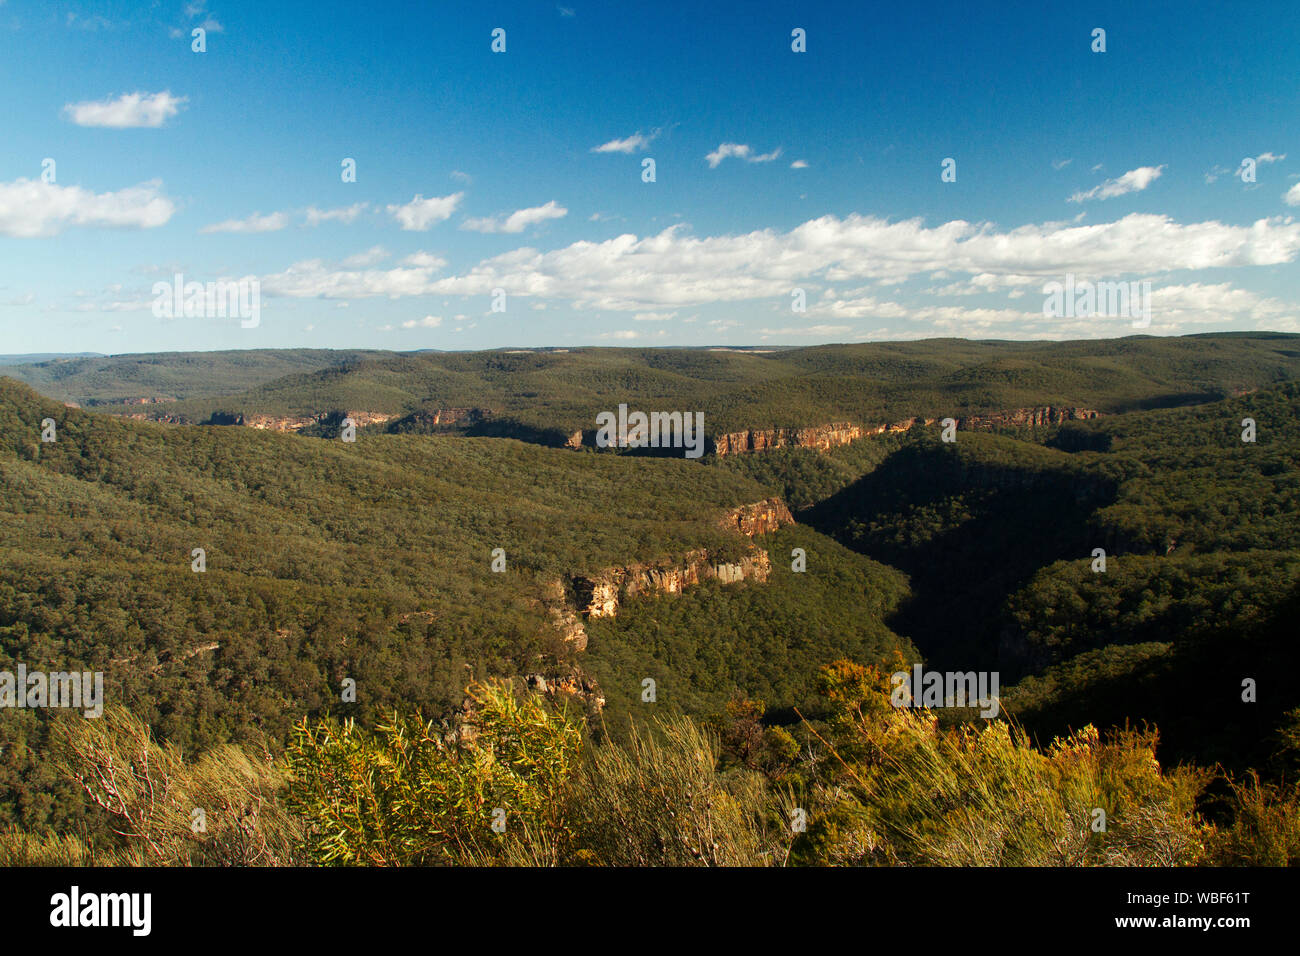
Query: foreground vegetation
{"x": 522, "y": 783}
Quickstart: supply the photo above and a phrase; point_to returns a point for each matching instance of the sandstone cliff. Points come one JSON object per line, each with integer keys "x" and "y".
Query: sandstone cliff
{"x": 567, "y": 603}
{"x": 601, "y": 594}
{"x": 759, "y": 518}
{"x": 1036, "y": 417}
{"x": 826, "y": 437}
{"x": 821, "y": 437}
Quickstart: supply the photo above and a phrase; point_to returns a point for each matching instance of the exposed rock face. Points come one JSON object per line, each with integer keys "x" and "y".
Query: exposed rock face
{"x": 1043, "y": 415}
{"x": 434, "y": 419}
{"x": 272, "y": 423}
{"x": 369, "y": 418}
{"x": 561, "y": 615}
{"x": 601, "y": 594}
{"x": 902, "y": 426}
{"x": 761, "y": 517}
{"x": 163, "y": 419}
{"x": 825, "y": 437}
{"x": 821, "y": 437}
{"x": 287, "y": 423}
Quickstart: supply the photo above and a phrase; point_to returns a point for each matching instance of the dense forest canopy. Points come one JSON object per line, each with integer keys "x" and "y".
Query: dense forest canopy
{"x": 327, "y": 562}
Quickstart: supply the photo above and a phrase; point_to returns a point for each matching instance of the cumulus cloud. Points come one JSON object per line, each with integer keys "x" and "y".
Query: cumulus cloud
{"x": 424, "y": 260}
{"x": 1292, "y": 196}
{"x": 127, "y": 111}
{"x": 672, "y": 270}
{"x": 421, "y": 214}
{"x": 519, "y": 220}
{"x": 1135, "y": 180}
{"x": 1174, "y": 309}
{"x": 30, "y": 208}
{"x": 799, "y": 164}
{"x": 344, "y": 214}
{"x": 739, "y": 151}
{"x": 363, "y": 260}
{"x": 314, "y": 279}
{"x": 631, "y": 144}
{"x": 272, "y": 222}
{"x": 428, "y": 322}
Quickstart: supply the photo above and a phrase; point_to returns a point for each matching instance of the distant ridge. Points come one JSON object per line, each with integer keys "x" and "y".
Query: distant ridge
{"x": 33, "y": 357}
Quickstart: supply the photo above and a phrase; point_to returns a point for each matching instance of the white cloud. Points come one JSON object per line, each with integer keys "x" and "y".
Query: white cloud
{"x": 654, "y": 316}
{"x": 519, "y": 220}
{"x": 424, "y": 260}
{"x": 30, "y": 208}
{"x": 799, "y": 164}
{"x": 1264, "y": 158}
{"x": 127, "y": 111}
{"x": 1174, "y": 309}
{"x": 428, "y": 322}
{"x": 344, "y": 214}
{"x": 629, "y": 145}
{"x": 1292, "y": 196}
{"x": 1059, "y": 164}
{"x": 363, "y": 260}
{"x": 314, "y": 279}
{"x": 672, "y": 270}
{"x": 1135, "y": 180}
{"x": 739, "y": 151}
{"x": 272, "y": 222}
{"x": 620, "y": 334}
{"x": 421, "y": 214}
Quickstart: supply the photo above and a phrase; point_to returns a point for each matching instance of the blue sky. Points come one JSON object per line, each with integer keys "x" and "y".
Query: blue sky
{"x": 774, "y": 170}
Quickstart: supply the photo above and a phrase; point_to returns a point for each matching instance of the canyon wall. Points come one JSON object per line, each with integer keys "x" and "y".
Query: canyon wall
{"x": 826, "y": 437}
{"x": 821, "y": 437}
{"x": 566, "y": 604}
{"x": 601, "y": 594}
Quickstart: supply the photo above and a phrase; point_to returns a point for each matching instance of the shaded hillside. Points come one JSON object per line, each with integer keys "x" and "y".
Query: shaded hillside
{"x": 1202, "y": 538}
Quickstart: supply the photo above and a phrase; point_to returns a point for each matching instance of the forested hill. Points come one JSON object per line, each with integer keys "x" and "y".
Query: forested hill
{"x": 369, "y": 561}
{"x": 561, "y": 390}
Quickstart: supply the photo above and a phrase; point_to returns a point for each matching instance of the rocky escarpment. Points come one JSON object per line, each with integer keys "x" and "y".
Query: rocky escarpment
{"x": 600, "y": 595}
{"x": 826, "y": 437}
{"x": 438, "y": 419}
{"x": 761, "y": 517}
{"x": 820, "y": 437}
{"x": 296, "y": 423}
{"x": 568, "y": 602}
{"x": 1032, "y": 417}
